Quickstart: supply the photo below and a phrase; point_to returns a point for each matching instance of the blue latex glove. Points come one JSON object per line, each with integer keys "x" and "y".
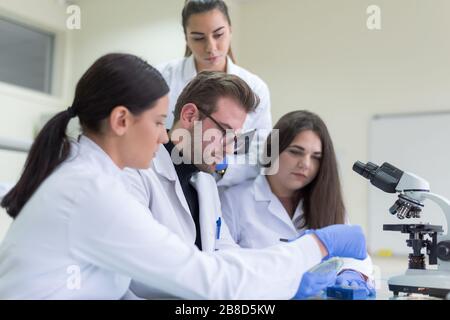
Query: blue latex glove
{"x": 313, "y": 283}
{"x": 352, "y": 278}
{"x": 342, "y": 240}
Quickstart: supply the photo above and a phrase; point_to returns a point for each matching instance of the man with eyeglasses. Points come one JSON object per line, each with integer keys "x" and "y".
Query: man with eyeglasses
{"x": 180, "y": 189}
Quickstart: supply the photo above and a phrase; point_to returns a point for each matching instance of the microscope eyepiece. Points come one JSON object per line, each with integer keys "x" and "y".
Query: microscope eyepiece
{"x": 366, "y": 170}
{"x": 385, "y": 177}
{"x": 359, "y": 167}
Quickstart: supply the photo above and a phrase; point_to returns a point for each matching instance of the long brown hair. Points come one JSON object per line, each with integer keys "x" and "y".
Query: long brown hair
{"x": 322, "y": 198}
{"x": 192, "y": 7}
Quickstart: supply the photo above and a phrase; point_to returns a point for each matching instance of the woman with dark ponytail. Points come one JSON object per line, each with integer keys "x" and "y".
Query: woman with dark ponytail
{"x": 79, "y": 234}
{"x": 107, "y": 84}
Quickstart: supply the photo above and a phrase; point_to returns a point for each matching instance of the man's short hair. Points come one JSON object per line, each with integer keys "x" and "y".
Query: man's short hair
{"x": 209, "y": 86}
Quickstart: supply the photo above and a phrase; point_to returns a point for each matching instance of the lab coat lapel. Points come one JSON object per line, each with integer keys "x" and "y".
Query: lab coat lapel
{"x": 209, "y": 207}
{"x": 163, "y": 166}
{"x": 231, "y": 67}
{"x": 298, "y": 217}
{"x": 90, "y": 149}
{"x": 264, "y": 193}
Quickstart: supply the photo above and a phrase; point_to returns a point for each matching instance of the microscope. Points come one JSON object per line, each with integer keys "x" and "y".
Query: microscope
{"x": 412, "y": 192}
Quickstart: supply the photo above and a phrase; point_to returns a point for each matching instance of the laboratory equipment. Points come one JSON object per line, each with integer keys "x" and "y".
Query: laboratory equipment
{"x": 412, "y": 192}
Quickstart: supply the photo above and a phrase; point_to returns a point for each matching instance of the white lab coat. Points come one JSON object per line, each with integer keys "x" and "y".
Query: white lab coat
{"x": 4, "y": 189}
{"x": 178, "y": 73}
{"x": 159, "y": 189}
{"x": 257, "y": 219}
{"x": 82, "y": 235}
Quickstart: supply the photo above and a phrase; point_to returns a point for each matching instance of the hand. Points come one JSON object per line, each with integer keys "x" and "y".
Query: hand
{"x": 313, "y": 283}
{"x": 342, "y": 240}
{"x": 354, "y": 279}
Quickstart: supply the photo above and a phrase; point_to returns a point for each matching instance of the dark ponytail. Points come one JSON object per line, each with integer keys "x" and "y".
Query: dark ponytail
{"x": 50, "y": 148}
{"x": 200, "y": 6}
{"x": 113, "y": 80}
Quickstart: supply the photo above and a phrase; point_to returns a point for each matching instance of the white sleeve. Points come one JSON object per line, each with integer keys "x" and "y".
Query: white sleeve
{"x": 129, "y": 295}
{"x": 238, "y": 173}
{"x": 229, "y": 215}
{"x": 164, "y": 69}
{"x": 263, "y": 113}
{"x": 137, "y": 185}
{"x": 4, "y": 189}
{"x": 111, "y": 230}
{"x": 363, "y": 266}
{"x": 173, "y": 79}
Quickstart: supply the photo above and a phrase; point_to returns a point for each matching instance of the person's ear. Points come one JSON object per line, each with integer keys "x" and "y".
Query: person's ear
{"x": 189, "y": 114}
{"x": 120, "y": 120}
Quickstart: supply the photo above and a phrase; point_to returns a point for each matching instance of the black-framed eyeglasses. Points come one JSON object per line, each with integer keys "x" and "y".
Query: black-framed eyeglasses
{"x": 232, "y": 138}
{"x": 241, "y": 142}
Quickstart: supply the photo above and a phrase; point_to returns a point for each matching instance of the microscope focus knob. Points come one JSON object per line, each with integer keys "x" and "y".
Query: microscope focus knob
{"x": 443, "y": 250}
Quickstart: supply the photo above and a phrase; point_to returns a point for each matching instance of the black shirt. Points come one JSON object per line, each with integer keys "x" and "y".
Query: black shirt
{"x": 184, "y": 173}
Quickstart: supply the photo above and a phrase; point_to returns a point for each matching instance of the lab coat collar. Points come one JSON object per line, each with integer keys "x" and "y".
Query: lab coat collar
{"x": 163, "y": 164}
{"x": 208, "y": 199}
{"x": 298, "y": 214}
{"x": 231, "y": 67}
{"x": 89, "y": 148}
{"x": 209, "y": 207}
{"x": 189, "y": 70}
{"x": 264, "y": 193}
{"x": 262, "y": 189}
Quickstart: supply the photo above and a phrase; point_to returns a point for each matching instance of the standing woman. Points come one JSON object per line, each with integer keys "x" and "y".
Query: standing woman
{"x": 79, "y": 234}
{"x": 300, "y": 191}
{"x": 208, "y": 33}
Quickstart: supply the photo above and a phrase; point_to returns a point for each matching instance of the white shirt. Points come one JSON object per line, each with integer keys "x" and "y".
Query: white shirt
{"x": 178, "y": 73}
{"x": 256, "y": 218}
{"x": 83, "y": 236}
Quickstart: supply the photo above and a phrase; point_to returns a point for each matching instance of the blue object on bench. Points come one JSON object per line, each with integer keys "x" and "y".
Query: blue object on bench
{"x": 346, "y": 293}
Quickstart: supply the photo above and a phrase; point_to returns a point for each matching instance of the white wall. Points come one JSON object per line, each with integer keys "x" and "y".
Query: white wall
{"x": 150, "y": 29}
{"x": 22, "y": 108}
{"x": 319, "y": 55}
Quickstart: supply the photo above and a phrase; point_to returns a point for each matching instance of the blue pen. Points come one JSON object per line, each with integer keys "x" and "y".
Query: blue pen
{"x": 218, "y": 225}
